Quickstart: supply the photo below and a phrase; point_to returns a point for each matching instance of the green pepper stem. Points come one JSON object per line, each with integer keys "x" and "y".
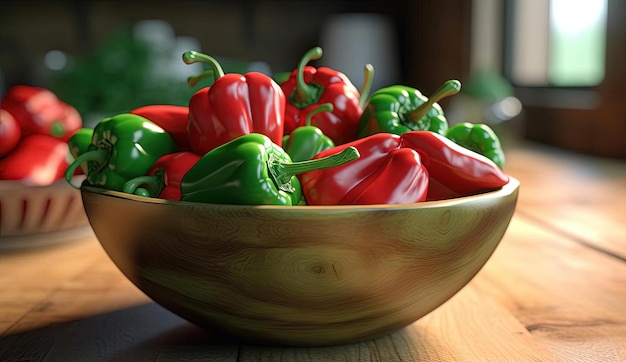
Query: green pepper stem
{"x": 133, "y": 184}
{"x": 368, "y": 71}
{"x": 304, "y": 91}
{"x": 57, "y": 129}
{"x": 326, "y": 107}
{"x": 192, "y": 56}
{"x": 194, "y": 79}
{"x": 283, "y": 172}
{"x": 143, "y": 192}
{"x": 99, "y": 154}
{"x": 449, "y": 88}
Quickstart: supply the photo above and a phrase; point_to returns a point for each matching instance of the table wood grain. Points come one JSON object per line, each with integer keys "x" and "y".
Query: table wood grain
{"x": 554, "y": 290}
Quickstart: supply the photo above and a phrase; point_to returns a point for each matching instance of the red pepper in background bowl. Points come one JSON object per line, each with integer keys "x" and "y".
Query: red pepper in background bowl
{"x": 235, "y": 105}
{"x": 39, "y": 111}
{"x": 10, "y": 132}
{"x": 38, "y": 160}
{"x": 164, "y": 178}
{"x": 172, "y": 118}
{"x": 308, "y": 87}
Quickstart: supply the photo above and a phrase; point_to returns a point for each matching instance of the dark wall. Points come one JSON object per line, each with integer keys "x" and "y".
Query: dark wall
{"x": 431, "y": 35}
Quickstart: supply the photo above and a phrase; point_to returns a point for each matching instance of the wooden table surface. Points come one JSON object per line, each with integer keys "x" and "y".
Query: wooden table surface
{"x": 554, "y": 290}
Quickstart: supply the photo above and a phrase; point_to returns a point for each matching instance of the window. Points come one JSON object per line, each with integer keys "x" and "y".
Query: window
{"x": 560, "y": 43}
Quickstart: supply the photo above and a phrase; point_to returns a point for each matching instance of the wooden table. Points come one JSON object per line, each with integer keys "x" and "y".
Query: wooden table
{"x": 554, "y": 290}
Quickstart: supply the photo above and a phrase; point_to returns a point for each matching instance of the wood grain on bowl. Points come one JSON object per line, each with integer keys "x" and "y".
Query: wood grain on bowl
{"x": 300, "y": 275}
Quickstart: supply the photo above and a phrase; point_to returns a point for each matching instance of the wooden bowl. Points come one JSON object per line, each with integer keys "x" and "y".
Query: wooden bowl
{"x": 305, "y": 275}
{"x": 33, "y": 216}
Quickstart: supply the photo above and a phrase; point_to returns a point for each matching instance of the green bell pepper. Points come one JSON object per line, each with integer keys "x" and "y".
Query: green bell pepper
{"x": 123, "y": 147}
{"x": 307, "y": 141}
{"x": 252, "y": 170}
{"x": 479, "y": 138}
{"x": 399, "y": 109}
{"x": 79, "y": 143}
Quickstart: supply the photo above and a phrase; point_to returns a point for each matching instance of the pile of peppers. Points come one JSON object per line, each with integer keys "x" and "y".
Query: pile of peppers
{"x": 312, "y": 139}
{"x": 35, "y": 126}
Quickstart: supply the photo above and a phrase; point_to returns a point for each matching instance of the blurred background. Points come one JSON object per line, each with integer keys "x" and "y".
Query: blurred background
{"x": 549, "y": 71}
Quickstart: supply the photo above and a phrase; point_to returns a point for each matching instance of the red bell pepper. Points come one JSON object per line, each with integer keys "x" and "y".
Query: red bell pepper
{"x": 416, "y": 166}
{"x": 233, "y": 106}
{"x": 454, "y": 170}
{"x": 39, "y": 110}
{"x": 384, "y": 174}
{"x": 10, "y": 132}
{"x": 308, "y": 87}
{"x": 38, "y": 160}
{"x": 163, "y": 179}
{"x": 173, "y": 119}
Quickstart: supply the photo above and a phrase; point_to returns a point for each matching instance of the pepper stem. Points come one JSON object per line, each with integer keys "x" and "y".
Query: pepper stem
{"x": 140, "y": 191}
{"x": 326, "y": 107}
{"x": 305, "y": 92}
{"x": 99, "y": 154}
{"x": 448, "y": 88}
{"x": 57, "y": 129}
{"x": 192, "y": 56}
{"x": 368, "y": 71}
{"x": 132, "y": 186}
{"x": 194, "y": 79}
{"x": 283, "y": 172}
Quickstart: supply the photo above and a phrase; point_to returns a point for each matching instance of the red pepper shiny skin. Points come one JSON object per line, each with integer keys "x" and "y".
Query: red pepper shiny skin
{"x": 174, "y": 166}
{"x": 233, "y": 106}
{"x": 322, "y": 85}
{"x": 10, "y": 132}
{"x": 172, "y": 118}
{"x": 341, "y": 124}
{"x": 450, "y": 171}
{"x": 384, "y": 174}
{"x": 454, "y": 170}
{"x": 39, "y": 110}
{"x": 164, "y": 177}
{"x": 38, "y": 160}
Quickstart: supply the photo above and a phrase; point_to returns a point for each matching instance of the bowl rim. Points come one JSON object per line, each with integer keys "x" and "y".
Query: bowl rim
{"x": 511, "y": 187}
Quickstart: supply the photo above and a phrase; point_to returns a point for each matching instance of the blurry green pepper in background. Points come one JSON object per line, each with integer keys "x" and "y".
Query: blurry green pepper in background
{"x": 399, "y": 109}
{"x": 281, "y": 77}
{"x": 479, "y": 138}
{"x": 119, "y": 74}
{"x": 252, "y": 170}
{"x": 79, "y": 143}
{"x": 123, "y": 147}
{"x": 307, "y": 141}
